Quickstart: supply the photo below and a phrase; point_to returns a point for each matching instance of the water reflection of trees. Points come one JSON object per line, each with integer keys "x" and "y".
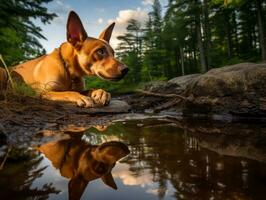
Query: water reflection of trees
{"x": 20, "y": 171}
{"x": 175, "y": 157}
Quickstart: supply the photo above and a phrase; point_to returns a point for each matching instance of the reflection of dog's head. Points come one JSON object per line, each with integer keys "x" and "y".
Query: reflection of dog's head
{"x": 82, "y": 162}
{"x": 95, "y": 56}
{"x": 98, "y": 161}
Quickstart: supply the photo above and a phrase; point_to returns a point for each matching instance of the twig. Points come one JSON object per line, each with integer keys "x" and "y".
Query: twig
{"x": 160, "y": 94}
{"x": 4, "y": 160}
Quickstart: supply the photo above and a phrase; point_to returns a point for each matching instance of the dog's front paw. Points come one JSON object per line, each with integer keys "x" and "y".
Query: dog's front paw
{"x": 81, "y": 100}
{"x": 101, "y": 97}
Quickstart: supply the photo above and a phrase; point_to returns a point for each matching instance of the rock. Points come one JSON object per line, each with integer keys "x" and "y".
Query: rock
{"x": 183, "y": 81}
{"x": 159, "y": 86}
{"x": 176, "y": 85}
{"x": 237, "y": 89}
{"x": 115, "y": 106}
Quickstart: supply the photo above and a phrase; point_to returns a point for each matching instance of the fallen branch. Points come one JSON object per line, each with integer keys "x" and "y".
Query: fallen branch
{"x": 160, "y": 94}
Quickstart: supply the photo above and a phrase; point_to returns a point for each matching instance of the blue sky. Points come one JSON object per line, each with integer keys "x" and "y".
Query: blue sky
{"x": 95, "y": 15}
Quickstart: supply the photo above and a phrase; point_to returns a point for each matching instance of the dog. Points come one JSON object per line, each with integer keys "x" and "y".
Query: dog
{"x": 59, "y": 75}
{"x": 82, "y": 162}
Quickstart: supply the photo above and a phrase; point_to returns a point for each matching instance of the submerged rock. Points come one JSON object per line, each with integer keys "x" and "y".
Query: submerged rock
{"x": 238, "y": 89}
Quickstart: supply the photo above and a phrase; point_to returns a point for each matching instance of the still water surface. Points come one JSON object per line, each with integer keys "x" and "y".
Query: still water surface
{"x": 165, "y": 162}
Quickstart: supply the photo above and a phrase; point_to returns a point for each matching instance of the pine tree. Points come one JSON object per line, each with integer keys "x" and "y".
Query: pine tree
{"x": 18, "y": 34}
{"x": 130, "y": 49}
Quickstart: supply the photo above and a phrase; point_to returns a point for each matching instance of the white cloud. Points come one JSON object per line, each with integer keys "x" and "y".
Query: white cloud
{"x": 147, "y": 2}
{"x": 100, "y": 21}
{"x": 122, "y": 171}
{"x": 121, "y": 22}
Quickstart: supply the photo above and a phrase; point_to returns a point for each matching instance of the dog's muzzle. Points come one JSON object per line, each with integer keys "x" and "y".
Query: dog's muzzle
{"x": 123, "y": 70}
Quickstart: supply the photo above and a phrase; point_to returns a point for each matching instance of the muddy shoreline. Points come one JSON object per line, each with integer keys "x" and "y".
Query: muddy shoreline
{"x": 229, "y": 95}
{"x": 25, "y": 118}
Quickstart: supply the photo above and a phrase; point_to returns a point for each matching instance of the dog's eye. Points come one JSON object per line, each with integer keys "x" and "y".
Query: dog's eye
{"x": 101, "y": 52}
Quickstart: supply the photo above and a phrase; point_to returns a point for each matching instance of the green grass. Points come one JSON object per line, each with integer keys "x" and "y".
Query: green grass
{"x": 22, "y": 89}
{"x": 18, "y": 88}
{"x": 114, "y": 87}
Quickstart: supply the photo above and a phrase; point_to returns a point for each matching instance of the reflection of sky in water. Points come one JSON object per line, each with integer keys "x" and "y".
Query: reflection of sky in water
{"x": 168, "y": 163}
{"x": 129, "y": 185}
{"x": 51, "y": 175}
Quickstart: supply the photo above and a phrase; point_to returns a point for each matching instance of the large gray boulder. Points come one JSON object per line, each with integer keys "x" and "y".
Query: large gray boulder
{"x": 175, "y": 85}
{"x": 238, "y": 89}
{"x": 183, "y": 81}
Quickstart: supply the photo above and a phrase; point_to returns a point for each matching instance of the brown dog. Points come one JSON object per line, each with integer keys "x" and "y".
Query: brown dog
{"x": 58, "y": 75}
{"x": 82, "y": 162}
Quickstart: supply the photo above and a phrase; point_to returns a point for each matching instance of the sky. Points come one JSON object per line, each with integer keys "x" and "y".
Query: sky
{"x": 95, "y": 16}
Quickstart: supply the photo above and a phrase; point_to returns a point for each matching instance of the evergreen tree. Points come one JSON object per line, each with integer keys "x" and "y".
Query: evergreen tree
{"x": 195, "y": 36}
{"x": 18, "y": 34}
{"x": 130, "y": 50}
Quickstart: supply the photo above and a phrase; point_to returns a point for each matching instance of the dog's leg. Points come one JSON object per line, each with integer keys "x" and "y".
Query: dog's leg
{"x": 99, "y": 96}
{"x": 69, "y": 96}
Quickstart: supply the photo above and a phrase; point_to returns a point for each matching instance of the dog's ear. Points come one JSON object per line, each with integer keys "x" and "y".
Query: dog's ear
{"x": 76, "y": 33}
{"x": 109, "y": 180}
{"x": 76, "y": 187}
{"x": 55, "y": 151}
{"x": 110, "y": 152}
{"x": 107, "y": 33}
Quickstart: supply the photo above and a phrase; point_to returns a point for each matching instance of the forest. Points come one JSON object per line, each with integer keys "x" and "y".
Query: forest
{"x": 190, "y": 36}
{"x": 193, "y": 36}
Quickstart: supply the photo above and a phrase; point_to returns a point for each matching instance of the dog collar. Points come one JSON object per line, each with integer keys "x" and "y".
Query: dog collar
{"x": 65, "y": 64}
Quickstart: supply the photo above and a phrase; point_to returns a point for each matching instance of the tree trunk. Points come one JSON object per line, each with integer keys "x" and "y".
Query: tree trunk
{"x": 194, "y": 48}
{"x": 235, "y": 28}
{"x": 182, "y": 60}
{"x": 228, "y": 33}
{"x": 261, "y": 30}
{"x": 199, "y": 37}
{"x": 207, "y": 31}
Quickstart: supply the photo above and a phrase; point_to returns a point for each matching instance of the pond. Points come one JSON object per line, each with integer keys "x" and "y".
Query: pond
{"x": 166, "y": 161}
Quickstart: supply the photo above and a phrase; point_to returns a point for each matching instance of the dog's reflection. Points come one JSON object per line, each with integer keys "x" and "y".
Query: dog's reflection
{"x": 82, "y": 162}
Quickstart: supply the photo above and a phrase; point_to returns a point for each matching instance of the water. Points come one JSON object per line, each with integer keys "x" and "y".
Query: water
{"x": 166, "y": 162}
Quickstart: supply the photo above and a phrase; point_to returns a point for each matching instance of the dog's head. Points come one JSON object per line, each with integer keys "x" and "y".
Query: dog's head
{"x": 95, "y": 56}
{"x": 84, "y": 162}
{"x": 96, "y": 163}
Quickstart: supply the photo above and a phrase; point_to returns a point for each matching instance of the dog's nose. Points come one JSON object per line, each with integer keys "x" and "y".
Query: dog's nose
{"x": 124, "y": 70}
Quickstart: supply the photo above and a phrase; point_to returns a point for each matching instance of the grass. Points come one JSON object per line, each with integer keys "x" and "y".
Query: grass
{"x": 18, "y": 88}
{"x": 114, "y": 87}
{"x": 22, "y": 89}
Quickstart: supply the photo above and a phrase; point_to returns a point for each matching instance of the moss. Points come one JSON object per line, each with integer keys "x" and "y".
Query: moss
{"x": 22, "y": 89}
